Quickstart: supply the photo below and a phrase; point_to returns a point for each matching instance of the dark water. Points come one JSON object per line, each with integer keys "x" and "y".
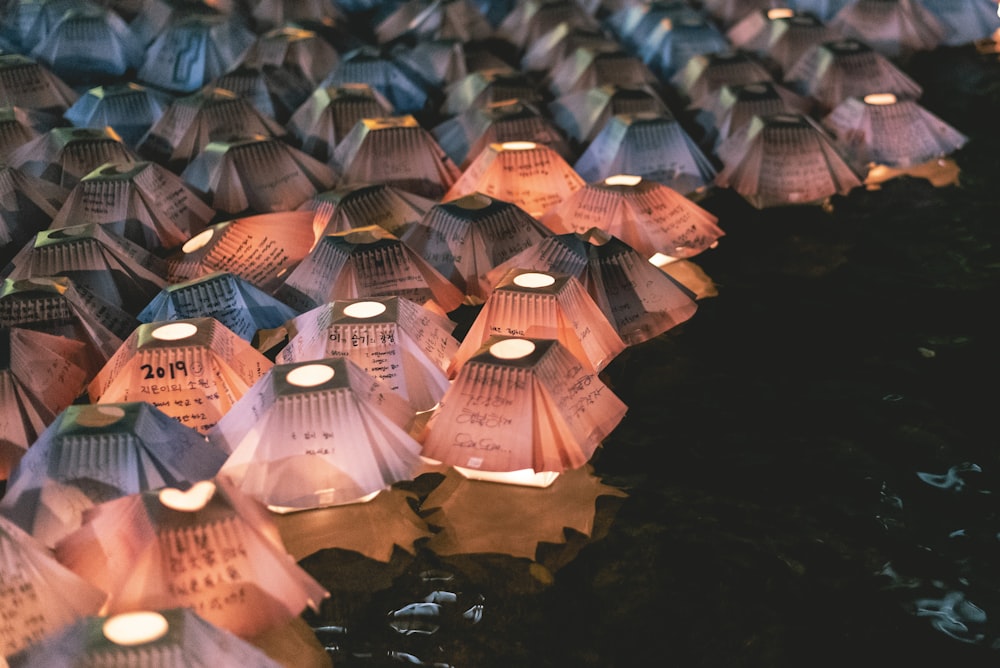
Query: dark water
{"x": 811, "y": 462}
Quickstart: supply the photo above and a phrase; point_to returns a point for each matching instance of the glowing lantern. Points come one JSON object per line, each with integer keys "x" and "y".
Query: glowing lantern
{"x": 529, "y": 175}
{"x": 583, "y": 114}
{"x": 466, "y": 237}
{"x": 40, "y": 596}
{"x": 784, "y": 159}
{"x": 366, "y": 262}
{"x": 26, "y": 83}
{"x": 397, "y": 151}
{"x": 63, "y": 156}
{"x": 92, "y": 453}
{"x": 192, "y": 122}
{"x": 193, "y": 370}
{"x": 646, "y": 215}
{"x": 260, "y": 249}
{"x": 330, "y": 113}
{"x": 547, "y": 412}
{"x": 317, "y": 433}
{"x": 347, "y": 207}
{"x": 27, "y": 206}
{"x": 896, "y": 28}
{"x": 487, "y": 86}
{"x": 397, "y": 342}
{"x": 210, "y": 548}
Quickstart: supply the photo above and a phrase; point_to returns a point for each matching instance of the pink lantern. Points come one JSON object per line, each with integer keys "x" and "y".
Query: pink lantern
{"x": 344, "y": 208}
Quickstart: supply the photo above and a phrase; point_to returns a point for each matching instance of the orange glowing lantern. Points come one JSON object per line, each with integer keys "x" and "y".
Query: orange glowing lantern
{"x": 397, "y": 342}
{"x": 40, "y": 596}
{"x": 897, "y": 28}
{"x": 347, "y": 207}
{"x": 648, "y": 216}
{"x": 193, "y": 370}
{"x": 211, "y": 549}
{"x": 331, "y": 112}
{"x": 63, "y": 156}
{"x": 317, "y": 433}
{"x": 583, "y": 114}
{"x": 466, "y": 237}
{"x": 92, "y": 453}
{"x": 366, "y": 262}
{"x": 24, "y": 82}
{"x": 522, "y": 405}
{"x": 529, "y": 175}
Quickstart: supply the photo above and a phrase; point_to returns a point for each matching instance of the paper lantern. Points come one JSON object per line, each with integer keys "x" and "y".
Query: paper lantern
{"x": 274, "y": 13}
{"x": 347, "y": 207}
{"x": 192, "y": 122}
{"x": 233, "y": 301}
{"x": 781, "y": 34}
{"x": 40, "y": 596}
{"x": 706, "y": 73}
{"x": 143, "y": 638}
{"x": 92, "y": 453}
{"x": 731, "y": 107}
{"x": 194, "y": 48}
{"x": 635, "y": 22}
{"x": 330, "y": 113}
{"x": 67, "y": 47}
{"x": 522, "y": 404}
{"x": 111, "y": 267}
{"x": 647, "y": 215}
{"x": 27, "y": 206}
{"x": 639, "y": 299}
{"x": 366, "y": 262}
{"x": 18, "y": 126}
{"x": 544, "y": 305}
{"x": 274, "y": 91}
{"x": 583, "y": 114}
{"x": 964, "y": 22}
{"x": 294, "y": 49}
{"x": 653, "y": 146}
{"x": 210, "y": 549}
{"x": 26, "y": 23}
{"x": 397, "y": 342}
{"x": 529, "y": 175}
{"x": 256, "y": 175}
{"x": 129, "y": 108}
{"x": 436, "y": 62}
{"x": 465, "y": 136}
{"x": 839, "y": 70}
{"x": 63, "y": 156}
{"x": 482, "y": 87}
{"x": 881, "y": 129}
{"x": 318, "y": 433}
{"x": 891, "y": 27}
{"x": 673, "y": 43}
{"x": 558, "y": 44}
{"x": 193, "y": 370}
{"x": 784, "y": 159}
{"x": 823, "y": 9}
{"x": 40, "y": 375}
{"x": 589, "y": 67}
{"x": 24, "y": 82}
{"x": 260, "y": 249}
{"x": 530, "y": 19}
{"x": 397, "y": 151}
{"x": 448, "y": 19}
{"x": 730, "y": 12}
{"x": 368, "y": 65}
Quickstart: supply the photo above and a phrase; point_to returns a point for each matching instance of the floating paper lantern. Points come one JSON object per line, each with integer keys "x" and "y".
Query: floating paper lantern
{"x": 525, "y": 405}
{"x": 27, "y": 206}
{"x": 18, "y": 126}
{"x": 293, "y": 49}
{"x": 274, "y": 91}
{"x": 705, "y": 73}
{"x": 784, "y": 159}
{"x": 881, "y": 129}
{"x": 639, "y": 299}
{"x": 397, "y": 151}
{"x": 891, "y": 27}
{"x": 399, "y": 343}
{"x": 781, "y": 34}
{"x": 589, "y": 67}
{"x": 40, "y": 596}
{"x": 25, "y": 82}
{"x": 654, "y": 146}
{"x": 646, "y": 215}
{"x": 673, "y": 43}
{"x": 236, "y": 303}
{"x": 486, "y": 86}
{"x": 583, "y": 114}
{"x": 318, "y": 433}
{"x": 256, "y": 175}
{"x": 366, "y": 262}
{"x": 210, "y": 549}
{"x": 193, "y": 121}
{"x": 67, "y": 47}
{"x": 40, "y": 375}
{"x": 465, "y": 238}
{"x": 733, "y": 106}
{"x": 330, "y": 113}
{"x": 529, "y": 175}
{"x": 92, "y": 453}
{"x": 129, "y": 108}
{"x": 448, "y": 19}
{"x": 193, "y": 49}
{"x": 531, "y": 19}
{"x": 260, "y": 249}
{"x": 347, "y": 207}
{"x": 193, "y": 370}
{"x": 143, "y": 638}
{"x": 368, "y": 65}
{"x": 560, "y": 43}
{"x": 63, "y": 156}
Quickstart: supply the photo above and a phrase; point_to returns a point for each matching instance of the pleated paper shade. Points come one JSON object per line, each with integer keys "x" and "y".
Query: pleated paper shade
{"x": 347, "y": 207}
{"x": 483, "y": 87}
{"x": 18, "y": 126}
{"x": 583, "y": 114}
{"x": 368, "y": 65}
{"x": 27, "y": 206}
{"x": 448, "y": 19}
{"x": 731, "y": 107}
{"x": 24, "y": 82}
{"x": 780, "y": 34}
{"x": 894, "y": 28}
{"x": 705, "y": 73}
{"x": 63, "y": 156}
{"x": 589, "y": 67}
{"x": 68, "y": 46}
{"x": 274, "y": 91}
{"x": 129, "y": 108}
{"x": 330, "y": 113}
{"x": 634, "y": 22}
{"x": 293, "y": 48}
{"x": 964, "y": 22}
{"x": 560, "y": 43}
{"x": 530, "y": 19}
{"x": 673, "y": 43}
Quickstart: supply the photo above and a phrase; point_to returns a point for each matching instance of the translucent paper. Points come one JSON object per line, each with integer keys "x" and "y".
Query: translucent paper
{"x": 467, "y": 237}
{"x": 394, "y": 340}
{"x": 781, "y": 35}
{"x": 453, "y": 19}
{"x": 560, "y": 43}
{"x": 330, "y": 113}
{"x": 733, "y": 106}
{"x": 646, "y": 215}
{"x": 705, "y": 73}
{"x": 784, "y": 159}
{"x": 24, "y": 82}
{"x": 531, "y": 19}
{"x": 67, "y": 47}
{"x": 92, "y": 453}
{"x": 19, "y": 126}
{"x": 211, "y": 549}
{"x": 366, "y": 262}
{"x": 40, "y": 596}
{"x": 544, "y": 411}
{"x": 347, "y": 207}
{"x": 256, "y": 175}
{"x": 293, "y": 49}
{"x": 368, "y": 65}
{"x": 27, "y": 206}
{"x": 274, "y": 91}
{"x": 63, "y": 156}
{"x": 894, "y": 29}
{"x": 583, "y": 114}
{"x": 317, "y": 433}
{"x": 634, "y": 22}
{"x": 129, "y": 108}
{"x": 964, "y": 22}
{"x": 588, "y": 67}
{"x": 439, "y": 61}
{"x": 396, "y": 151}
{"x": 193, "y": 370}
{"x": 672, "y": 43}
